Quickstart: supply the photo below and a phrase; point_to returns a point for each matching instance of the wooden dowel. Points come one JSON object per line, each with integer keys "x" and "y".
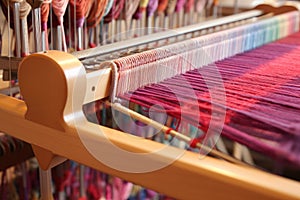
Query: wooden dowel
{"x": 160, "y": 127}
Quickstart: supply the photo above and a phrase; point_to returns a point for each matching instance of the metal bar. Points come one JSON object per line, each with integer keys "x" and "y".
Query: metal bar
{"x": 45, "y": 184}
{"x": 16, "y": 10}
{"x": 36, "y": 18}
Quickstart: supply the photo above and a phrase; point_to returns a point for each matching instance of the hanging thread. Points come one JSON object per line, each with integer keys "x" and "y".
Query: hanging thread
{"x": 59, "y": 8}
{"x": 263, "y": 116}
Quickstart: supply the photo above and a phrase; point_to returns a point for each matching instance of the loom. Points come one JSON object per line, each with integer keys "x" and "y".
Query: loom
{"x": 51, "y": 118}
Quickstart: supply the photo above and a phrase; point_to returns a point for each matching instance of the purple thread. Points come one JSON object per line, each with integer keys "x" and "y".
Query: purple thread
{"x": 263, "y": 98}
{"x": 80, "y": 22}
{"x": 179, "y": 5}
{"x": 151, "y": 8}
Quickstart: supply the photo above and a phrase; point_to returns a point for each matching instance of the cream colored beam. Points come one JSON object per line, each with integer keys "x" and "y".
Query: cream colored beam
{"x": 98, "y": 85}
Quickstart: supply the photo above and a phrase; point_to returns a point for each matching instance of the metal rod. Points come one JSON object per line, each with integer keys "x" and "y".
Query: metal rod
{"x": 80, "y": 39}
{"x": 149, "y": 25}
{"x": 45, "y": 184}
{"x": 44, "y": 47}
{"x": 70, "y": 27}
{"x": 59, "y": 36}
{"x": 51, "y": 28}
{"x": 25, "y": 39}
{"x": 36, "y": 18}
{"x": 16, "y": 10}
{"x": 163, "y": 35}
{"x": 236, "y": 6}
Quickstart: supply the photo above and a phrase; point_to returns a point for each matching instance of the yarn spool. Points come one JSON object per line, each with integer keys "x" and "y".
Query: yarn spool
{"x": 16, "y": 23}
{"x": 189, "y": 6}
{"x": 140, "y": 16}
{"x": 162, "y": 5}
{"x": 110, "y": 18}
{"x": 96, "y": 13}
{"x": 4, "y": 8}
{"x": 200, "y": 8}
{"x": 215, "y": 8}
{"x": 128, "y": 11}
{"x": 140, "y": 10}
{"x": 115, "y": 11}
{"x": 108, "y": 8}
{"x": 87, "y": 9}
{"x": 78, "y": 9}
{"x": 59, "y": 8}
{"x": 93, "y": 19}
{"x": 45, "y": 8}
{"x": 160, "y": 16}
{"x": 170, "y": 7}
{"x": 25, "y": 9}
{"x": 36, "y": 18}
{"x": 169, "y": 14}
{"x": 179, "y": 5}
{"x": 189, "y": 12}
{"x": 179, "y": 13}
{"x": 151, "y": 8}
{"x": 210, "y": 7}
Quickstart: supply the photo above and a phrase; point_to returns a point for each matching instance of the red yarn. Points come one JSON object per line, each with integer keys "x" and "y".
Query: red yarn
{"x": 168, "y": 131}
{"x": 189, "y": 5}
{"x": 115, "y": 11}
{"x": 59, "y": 8}
{"x": 78, "y": 7}
{"x": 45, "y": 8}
{"x": 96, "y": 13}
{"x": 162, "y": 5}
{"x": 194, "y": 142}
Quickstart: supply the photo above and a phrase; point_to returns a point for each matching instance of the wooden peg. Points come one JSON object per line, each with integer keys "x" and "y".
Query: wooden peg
{"x": 36, "y": 18}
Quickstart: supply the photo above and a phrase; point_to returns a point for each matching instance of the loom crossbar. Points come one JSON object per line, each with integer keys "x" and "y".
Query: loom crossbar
{"x": 135, "y": 42}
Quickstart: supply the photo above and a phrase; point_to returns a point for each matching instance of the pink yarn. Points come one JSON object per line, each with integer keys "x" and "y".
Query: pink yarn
{"x": 179, "y": 5}
{"x": 152, "y": 6}
{"x": 189, "y": 5}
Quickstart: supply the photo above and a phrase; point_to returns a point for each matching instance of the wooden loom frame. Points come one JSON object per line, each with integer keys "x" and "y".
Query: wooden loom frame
{"x": 52, "y": 121}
